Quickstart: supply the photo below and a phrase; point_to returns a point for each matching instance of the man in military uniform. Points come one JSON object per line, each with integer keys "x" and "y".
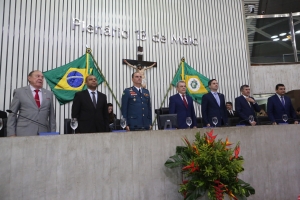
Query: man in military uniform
{"x": 136, "y": 105}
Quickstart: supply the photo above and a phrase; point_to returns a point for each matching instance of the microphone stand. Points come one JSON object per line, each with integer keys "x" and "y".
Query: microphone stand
{"x": 10, "y": 111}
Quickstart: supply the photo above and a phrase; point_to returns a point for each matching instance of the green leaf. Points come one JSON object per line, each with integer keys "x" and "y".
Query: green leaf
{"x": 176, "y": 162}
{"x": 180, "y": 149}
{"x": 239, "y": 197}
{"x": 246, "y": 186}
{"x": 198, "y": 192}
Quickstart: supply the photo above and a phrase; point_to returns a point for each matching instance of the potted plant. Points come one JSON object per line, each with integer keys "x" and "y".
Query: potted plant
{"x": 211, "y": 167}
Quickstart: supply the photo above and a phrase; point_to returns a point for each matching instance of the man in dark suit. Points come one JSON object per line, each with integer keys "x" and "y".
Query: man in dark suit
{"x": 182, "y": 105}
{"x": 246, "y": 106}
{"x": 136, "y": 105}
{"x": 213, "y": 105}
{"x": 90, "y": 108}
{"x": 230, "y": 112}
{"x": 278, "y": 105}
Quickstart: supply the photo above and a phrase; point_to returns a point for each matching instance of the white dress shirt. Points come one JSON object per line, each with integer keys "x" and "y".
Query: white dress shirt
{"x": 91, "y": 95}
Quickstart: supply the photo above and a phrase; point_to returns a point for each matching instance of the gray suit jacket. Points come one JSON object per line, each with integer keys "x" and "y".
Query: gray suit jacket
{"x": 24, "y": 103}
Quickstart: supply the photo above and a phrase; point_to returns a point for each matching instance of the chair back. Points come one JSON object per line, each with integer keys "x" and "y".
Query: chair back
{"x": 67, "y": 127}
{"x": 164, "y": 111}
{"x": 263, "y": 120}
{"x": 3, "y": 132}
{"x": 233, "y": 121}
{"x": 199, "y": 122}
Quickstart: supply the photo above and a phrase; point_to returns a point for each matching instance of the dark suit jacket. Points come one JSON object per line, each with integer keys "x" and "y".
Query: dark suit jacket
{"x": 90, "y": 119}
{"x": 176, "y": 106}
{"x": 244, "y": 110}
{"x": 3, "y": 115}
{"x": 275, "y": 109}
{"x": 210, "y": 109}
{"x": 136, "y": 108}
{"x": 230, "y": 115}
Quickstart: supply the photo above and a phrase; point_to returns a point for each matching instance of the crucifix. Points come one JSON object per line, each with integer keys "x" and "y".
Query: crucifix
{"x": 139, "y": 65}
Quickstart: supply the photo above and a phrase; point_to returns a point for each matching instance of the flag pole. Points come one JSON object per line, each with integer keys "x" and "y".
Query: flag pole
{"x": 182, "y": 61}
{"x": 89, "y": 51}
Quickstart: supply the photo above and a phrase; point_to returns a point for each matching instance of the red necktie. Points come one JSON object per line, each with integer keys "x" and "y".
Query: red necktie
{"x": 37, "y": 98}
{"x": 184, "y": 101}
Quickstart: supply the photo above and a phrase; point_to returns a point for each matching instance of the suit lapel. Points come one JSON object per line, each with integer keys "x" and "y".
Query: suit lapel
{"x": 44, "y": 97}
{"x": 246, "y": 102}
{"x": 98, "y": 99}
{"x": 87, "y": 95}
{"x": 181, "y": 100}
{"x": 214, "y": 99}
{"x": 188, "y": 100}
{"x": 136, "y": 91}
{"x": 30, "y": 95}
{"x": 279, "y": 101}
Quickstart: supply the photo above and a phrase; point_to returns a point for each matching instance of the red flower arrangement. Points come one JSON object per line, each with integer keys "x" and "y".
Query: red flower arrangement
{"x": 210, "y": 166}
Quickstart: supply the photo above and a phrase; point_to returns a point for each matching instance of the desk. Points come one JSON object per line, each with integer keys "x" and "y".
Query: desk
{"x": 130, "y": 165}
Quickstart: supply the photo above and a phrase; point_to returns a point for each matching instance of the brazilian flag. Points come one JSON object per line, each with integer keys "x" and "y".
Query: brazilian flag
{"x": 68, "y": 79}
{"x": 196, "y": 83}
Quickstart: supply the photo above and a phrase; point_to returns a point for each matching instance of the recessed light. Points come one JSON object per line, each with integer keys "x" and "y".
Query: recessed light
{"x": 276, "y": 39}
{"x": 285, "y": 39}
{"x": 274, "y": 36}
{"x": 282, "y": 34}
{"x": 297, "y": 32}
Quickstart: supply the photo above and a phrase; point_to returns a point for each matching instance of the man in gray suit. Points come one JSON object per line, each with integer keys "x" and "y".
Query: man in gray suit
{"x": 32, "y": 102}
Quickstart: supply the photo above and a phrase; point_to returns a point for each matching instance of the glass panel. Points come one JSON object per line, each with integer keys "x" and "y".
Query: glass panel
{"x": 269, "y": 40}
{"x": 297, "y": 34}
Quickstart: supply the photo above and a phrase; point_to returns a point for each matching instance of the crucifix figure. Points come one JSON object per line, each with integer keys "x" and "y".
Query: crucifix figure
{"x": 140, "y": 65}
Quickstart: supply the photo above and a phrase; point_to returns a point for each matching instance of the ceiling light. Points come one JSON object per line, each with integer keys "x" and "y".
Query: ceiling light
{"x": 274, "y": 36}
{"x": 282, "y": 34}
{"x": 285, "y": 39}
{"x": 251, "y": 8}
{"x": 297, "y": 32}
{"x": 276, "y": 39}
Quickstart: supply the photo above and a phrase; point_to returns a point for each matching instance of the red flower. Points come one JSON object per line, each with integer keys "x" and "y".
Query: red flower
{"x": 195, "y": 149}
{"x": 237, "y": 151}
{"x": 227, "y": 143}
{"x": 211, "y": 138}
{"x": 192, "y": 167}
{"x": 186, "y": 141}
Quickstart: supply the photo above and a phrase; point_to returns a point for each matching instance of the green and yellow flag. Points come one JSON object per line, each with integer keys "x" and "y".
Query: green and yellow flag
{"x": 196, "y": 83}
{"x": 68, "y": 79}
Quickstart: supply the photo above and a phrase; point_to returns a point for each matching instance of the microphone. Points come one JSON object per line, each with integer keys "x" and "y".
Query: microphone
{"x": 10, "y": 111}
{"x": 246, "y": 120}
{"x": 287, "y": 121}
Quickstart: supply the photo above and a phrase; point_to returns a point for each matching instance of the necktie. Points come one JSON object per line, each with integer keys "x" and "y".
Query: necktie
{"x": 37, "y": 98}
{"x": 94, "y": 99}
{"x": 140, "y": 91}
{"x": 248, "y": 101}
{"x": 217, "y": 98}
{"x": 184, "y": 101}
{"x": 231, "y": 112}
{"x": 282, "y": 100}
